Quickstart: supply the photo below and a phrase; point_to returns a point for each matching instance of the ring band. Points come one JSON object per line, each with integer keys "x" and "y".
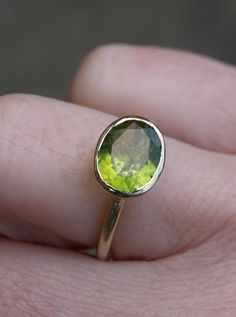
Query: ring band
{"x": 129, "y": 158}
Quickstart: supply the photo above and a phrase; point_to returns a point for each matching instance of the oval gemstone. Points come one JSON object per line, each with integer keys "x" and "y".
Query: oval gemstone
{"x": 129, "y": 155}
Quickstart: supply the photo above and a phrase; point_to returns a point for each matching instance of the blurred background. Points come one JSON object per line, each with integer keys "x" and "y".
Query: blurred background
{"x": 43, "y": 42}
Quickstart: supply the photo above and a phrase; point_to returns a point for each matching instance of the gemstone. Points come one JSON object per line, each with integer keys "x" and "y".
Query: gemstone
{"x": 129, "y": 155}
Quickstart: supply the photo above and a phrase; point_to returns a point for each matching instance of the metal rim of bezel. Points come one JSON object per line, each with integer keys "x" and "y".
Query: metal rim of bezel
{"x": 108, "y": 188}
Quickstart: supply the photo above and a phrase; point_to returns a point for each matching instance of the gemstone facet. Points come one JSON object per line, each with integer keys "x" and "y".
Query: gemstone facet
{"x": 129, "y": 155}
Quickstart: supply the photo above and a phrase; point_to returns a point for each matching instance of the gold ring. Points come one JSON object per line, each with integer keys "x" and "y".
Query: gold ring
{"x": 129, "y": 158}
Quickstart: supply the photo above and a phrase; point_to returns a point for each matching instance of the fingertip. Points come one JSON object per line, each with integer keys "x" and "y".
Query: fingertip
{"x": 93, "y": 73}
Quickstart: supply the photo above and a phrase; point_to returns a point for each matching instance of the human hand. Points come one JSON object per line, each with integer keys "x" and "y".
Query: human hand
{"x": 181, "y": 234}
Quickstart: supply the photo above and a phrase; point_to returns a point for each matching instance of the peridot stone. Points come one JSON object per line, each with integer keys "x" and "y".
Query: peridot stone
{"x": 129, "y": 155}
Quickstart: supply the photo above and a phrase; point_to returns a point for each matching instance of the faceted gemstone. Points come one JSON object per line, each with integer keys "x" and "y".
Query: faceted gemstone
{"x": 129, "y": 155}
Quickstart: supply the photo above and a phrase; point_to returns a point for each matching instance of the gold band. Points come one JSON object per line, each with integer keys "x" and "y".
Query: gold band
{"x": 109, "y": 228}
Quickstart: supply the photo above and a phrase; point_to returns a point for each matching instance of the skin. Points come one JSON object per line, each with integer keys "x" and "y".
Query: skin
{"x": 175, "y": 246}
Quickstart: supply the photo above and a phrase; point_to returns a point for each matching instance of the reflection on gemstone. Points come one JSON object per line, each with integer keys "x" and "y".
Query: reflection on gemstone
{"x": 129, "y": 155}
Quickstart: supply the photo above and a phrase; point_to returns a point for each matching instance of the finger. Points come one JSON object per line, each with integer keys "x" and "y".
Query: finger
{"x": 191, "y": 97}
{"x": 46, "y": 167}
{"x": 37, "y": 281}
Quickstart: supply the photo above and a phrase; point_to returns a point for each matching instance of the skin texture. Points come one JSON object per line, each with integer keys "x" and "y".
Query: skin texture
{"x": 175, "y": 246}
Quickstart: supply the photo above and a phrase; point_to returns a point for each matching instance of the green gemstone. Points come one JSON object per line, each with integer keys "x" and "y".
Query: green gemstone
{"x": 129, "y": 155}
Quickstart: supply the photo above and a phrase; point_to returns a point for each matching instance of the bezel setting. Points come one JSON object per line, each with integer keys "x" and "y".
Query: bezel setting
{"x": 107, "y": 187}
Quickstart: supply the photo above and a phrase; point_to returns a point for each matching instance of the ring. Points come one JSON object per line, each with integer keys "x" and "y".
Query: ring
{"x": 129, "y": 158}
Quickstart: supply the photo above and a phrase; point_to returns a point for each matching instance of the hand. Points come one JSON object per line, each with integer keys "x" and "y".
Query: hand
{"x": 185, "y": 226}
